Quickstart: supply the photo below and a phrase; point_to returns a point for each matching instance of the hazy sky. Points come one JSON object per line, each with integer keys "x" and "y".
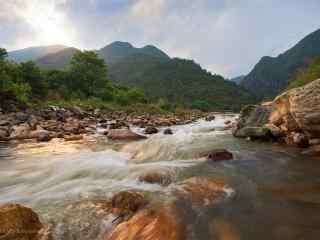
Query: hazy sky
{"x": 225, "y": 36}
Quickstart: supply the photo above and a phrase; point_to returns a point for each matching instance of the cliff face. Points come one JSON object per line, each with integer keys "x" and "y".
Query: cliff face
{"x": 293, "y": 117}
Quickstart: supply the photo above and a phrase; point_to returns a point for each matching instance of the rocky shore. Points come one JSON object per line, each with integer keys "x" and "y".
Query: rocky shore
{"x": 73, "y": 123}
{"x": 292, "y": 118}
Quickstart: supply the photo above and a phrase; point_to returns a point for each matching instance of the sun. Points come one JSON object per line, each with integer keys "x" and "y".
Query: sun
{"x": 48, "y": 23}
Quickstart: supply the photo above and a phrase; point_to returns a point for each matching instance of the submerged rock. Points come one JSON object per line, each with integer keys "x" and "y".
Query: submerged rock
{"x": 19, "y": 222}
{"x": 163, "y": 179}
{"x": 155, "y": 223}
{"x": 220, "y": 155}
{"x": 41, "y": 135}
{"x": 124, "y": 134}
{"x": 203, "y": 191}
{"x": 254, "y": 132}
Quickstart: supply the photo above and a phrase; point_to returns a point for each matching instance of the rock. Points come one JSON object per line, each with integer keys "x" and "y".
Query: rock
{"x": 127, "y": 202}
{"x": 297, "y": 139}
{"x": 5, "y": 122}
{"x": 20, "y": 132}
{"x": 227, "y": 122}
{"x": 124, "y": 134}
{"x": 72, "y": 127}
{"x": 314, "y": 150}
{"x": 254, "y": 132}
{"x": 156, "y": 224}
{"x": 69, "y": 138}
{"x": 299, "y": 110}
{"x": 163, "y": 179}
{"x": 314, "y": 141}
{"x": 19, "y": 222}
{"x": 203, "y": 191}
{"x": 4, "y": 134}
{"x": 274, "y": 130}
{"x": 21, "y": 117}
{"x": 41, "y": 135}
{"x": 151, "y": 130}
{"x": 220, "y": 155}
{"x": 210, "y": 118}
{"x": 167, "y": 131}
{"x": 251, "y": 121}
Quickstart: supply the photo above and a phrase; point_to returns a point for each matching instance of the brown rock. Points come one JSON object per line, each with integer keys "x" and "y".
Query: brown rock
{"x": 151, "y": 130}
{"x": 167, "y": 131}
{"x": 20, "y": 132}
{"x": 127, "y": 202}
{"x": 73, "y": 138}
{"x": 124, "y": 134}
{"x": 163, "y": 179}
{"x": 220, "y": 155}
{"x": 210, "y": 118}
{"x": 155, "y": 224}
{"x": 41, "y": 135}
{"x": 19, "y": 223}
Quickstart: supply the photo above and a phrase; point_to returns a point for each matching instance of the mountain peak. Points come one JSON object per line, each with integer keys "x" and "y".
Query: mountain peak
{"x": 118, "y": 51}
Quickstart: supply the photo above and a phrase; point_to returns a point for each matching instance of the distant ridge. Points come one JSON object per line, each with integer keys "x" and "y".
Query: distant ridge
{"x": 57, "y": 60}
{"x": 33, "y": 53}
{"x": 271, "y": 75}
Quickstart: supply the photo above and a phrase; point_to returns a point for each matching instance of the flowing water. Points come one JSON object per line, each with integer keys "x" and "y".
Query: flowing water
{"x": 275, "y": 190}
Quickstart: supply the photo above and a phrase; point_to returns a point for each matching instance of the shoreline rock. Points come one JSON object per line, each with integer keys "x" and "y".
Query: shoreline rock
{"x": 293, "y": 118}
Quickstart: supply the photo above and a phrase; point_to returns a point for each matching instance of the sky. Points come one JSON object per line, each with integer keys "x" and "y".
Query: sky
{"x": 226, "y": 37}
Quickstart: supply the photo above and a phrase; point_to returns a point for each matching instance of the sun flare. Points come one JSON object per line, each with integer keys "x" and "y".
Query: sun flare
{"x": 48, "y": 22}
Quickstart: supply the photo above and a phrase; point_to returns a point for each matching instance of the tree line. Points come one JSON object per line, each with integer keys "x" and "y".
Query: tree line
{"x": 85, "y": 77}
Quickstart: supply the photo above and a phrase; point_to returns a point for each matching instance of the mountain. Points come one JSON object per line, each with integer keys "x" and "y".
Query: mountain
{"x": 238, "y": 79}
{"x": 56, "y": 60}
{"x": 117, "y": 51}
{"x": 180, "y": 81}
{"x": 33, "y": 53}
{"x": 272, "y": 74}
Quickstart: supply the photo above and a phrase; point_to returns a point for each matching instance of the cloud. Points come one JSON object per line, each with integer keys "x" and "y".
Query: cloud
{"x": 225, "y": 36}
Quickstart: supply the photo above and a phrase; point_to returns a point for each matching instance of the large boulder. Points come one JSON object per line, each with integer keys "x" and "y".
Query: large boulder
{"x": 298, "y": 110}
{"x": 254, "y": 132}
{"x": 252, "y": 120}
{"x": 124, "y": 134}
{"x": 19, "y": 222}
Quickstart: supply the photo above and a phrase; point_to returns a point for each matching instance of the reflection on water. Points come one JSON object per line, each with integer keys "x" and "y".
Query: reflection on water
{"x": 277, "y": 193}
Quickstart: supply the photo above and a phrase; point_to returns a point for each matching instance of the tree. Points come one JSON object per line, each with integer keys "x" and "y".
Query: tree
{"x": 88, "y": 74}
{"x": 3, "y": 54}
{"x": 32, "y": 75}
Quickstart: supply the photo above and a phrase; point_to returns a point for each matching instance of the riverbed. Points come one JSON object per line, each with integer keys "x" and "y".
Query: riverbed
{"x": 274, "y": 190}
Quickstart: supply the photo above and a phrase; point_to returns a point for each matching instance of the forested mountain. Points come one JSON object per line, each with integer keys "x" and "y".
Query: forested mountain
{"x": 56, "y": 60}
{"x": 271, "y": 75}
{"x": 179, "y": 81}
{"x": 117, "y": 51}
{"x": 33, "y": 53}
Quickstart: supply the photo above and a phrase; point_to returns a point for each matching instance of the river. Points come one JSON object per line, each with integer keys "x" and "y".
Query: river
{"x": 274, "y": 190}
